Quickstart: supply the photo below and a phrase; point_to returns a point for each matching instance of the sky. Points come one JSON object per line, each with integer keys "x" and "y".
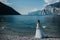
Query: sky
{"x": 26, "y": 6}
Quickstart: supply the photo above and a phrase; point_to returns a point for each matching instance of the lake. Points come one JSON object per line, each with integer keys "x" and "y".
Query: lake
{"x": 23, "y": 24}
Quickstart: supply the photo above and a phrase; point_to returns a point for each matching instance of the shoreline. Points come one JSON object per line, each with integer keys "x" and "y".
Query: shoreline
{"x": 17, "y": 37}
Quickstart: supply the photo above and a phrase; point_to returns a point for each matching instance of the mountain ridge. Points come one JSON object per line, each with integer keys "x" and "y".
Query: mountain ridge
{"x": 7, "y": 10}
{"x": 51, "y": 9}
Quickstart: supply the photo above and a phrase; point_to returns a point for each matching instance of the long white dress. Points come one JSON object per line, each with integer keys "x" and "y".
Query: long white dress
{"x": 39, "y": 32}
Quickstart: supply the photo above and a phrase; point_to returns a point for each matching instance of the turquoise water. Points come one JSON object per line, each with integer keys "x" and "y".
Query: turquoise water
{"x": 27, "y": 24}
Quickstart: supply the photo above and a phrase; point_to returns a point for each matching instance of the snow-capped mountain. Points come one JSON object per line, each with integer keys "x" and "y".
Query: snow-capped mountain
{"x": 52, "y": 9}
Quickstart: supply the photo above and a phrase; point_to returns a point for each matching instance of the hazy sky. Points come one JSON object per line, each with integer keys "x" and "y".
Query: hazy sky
{"x": 26, "y": 6}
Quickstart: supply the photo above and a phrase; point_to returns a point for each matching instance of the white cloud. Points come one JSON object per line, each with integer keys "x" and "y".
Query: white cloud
{"x": 26, "y": 11}
{"x": 51, "y": 1}
{"x": 5, "y": 2}
{"x": 48, "y": 1}
{"x": 35, "y": 9}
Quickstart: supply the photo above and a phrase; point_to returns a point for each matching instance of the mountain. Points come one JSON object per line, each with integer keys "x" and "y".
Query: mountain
{"x": 51, "y": 9}
{"x": 6, "y": 10}
{"x": 40, "y": 12}
{"x": 35, "y": 13}
{"x": 57, "y": 5}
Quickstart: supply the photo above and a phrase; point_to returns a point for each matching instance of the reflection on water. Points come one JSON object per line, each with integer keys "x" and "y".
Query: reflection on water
{"x": 27, "y": 24}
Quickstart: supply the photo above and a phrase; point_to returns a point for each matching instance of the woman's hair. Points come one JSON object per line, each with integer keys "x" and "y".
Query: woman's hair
{"x": 39, "y": 21}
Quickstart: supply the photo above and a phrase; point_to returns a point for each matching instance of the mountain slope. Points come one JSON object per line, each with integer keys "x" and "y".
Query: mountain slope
{"x": 52, "y": 9}
{"x": 35, "y": 13}
{"x": 6, "y": 10}
{"x": 57, "y": 5}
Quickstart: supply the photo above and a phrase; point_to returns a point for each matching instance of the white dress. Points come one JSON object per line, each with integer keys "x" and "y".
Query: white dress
{"x": 39, "y": 32}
